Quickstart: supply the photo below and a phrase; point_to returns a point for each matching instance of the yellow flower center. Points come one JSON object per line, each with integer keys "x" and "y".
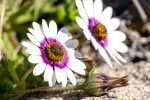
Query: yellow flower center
{"x": 54, "y": 52}
{"x": 99, "y": 31}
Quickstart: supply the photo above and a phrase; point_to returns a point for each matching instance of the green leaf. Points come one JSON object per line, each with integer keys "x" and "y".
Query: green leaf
{"x": 22, "y": 15}
{"x": 72, "y": 13}
{"x": 61, "y": 13}
{"x": 37, "y": 7}
{"x": 23, "y": 18}
{"x": 20, "y": 86}
{"x": 9, "y": 47}
{"x": 1, "y": 44}
{"x": 12, "y": 72}
{"x": 68, "y": 2}
{"x": 3, "y": 75}
{"x": 9, "y": 86}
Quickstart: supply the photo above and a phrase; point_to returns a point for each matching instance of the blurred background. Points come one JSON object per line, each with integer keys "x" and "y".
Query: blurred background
{"x": 19, "y": 15}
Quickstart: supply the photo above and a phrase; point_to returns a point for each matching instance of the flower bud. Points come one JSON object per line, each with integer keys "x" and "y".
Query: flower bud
{"x": 98, "y": 84}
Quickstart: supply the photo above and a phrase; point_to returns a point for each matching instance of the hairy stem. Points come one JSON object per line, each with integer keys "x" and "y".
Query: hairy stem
{"x": 41, "y": 89}
{"x": 23, "y": 78}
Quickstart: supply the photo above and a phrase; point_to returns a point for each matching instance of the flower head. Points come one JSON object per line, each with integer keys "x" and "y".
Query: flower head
{"x": 53, "y": 53}
{"x": 100, "y": 28}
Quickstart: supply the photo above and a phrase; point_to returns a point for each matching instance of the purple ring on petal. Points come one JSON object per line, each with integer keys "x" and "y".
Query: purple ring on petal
{"x": 92, "y": 22}
{"x": 59, "y": 64}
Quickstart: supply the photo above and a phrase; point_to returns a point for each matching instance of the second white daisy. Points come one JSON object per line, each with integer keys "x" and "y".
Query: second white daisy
{"x": 53, "y": 53}
{"x": 100, "y": 28}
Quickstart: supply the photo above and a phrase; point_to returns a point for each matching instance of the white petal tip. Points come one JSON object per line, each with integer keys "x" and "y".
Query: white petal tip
{"x": 64, "y": 85}
{"x": 52, "y": 21}
{"x": 43, "y": 20}
{"x": 83, "y": 73}
{"x": 22, "y": 43}
{"x": 35, "y": 74}
{"x": 64, "y": 30}
{"x": 111, "y": 67}
{"x": 125, "y": 61}
{"x": 74, "y": 84}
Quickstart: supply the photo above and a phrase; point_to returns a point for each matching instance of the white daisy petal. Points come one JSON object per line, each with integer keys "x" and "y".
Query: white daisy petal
{"x": 32, "y": 38}
{"x": 87, "y": 34}
{"x": 79, "y": 4}
{"x": 79, "y": 71}
{"x": 64, "y": 78}
{"x": 104, "y": 55}
{"x": 116, "y": 36}
{"x": 52, "y": 30}
{"x": 88, "y": 7}
{"x": 73, "y": 53}
{"x": 83, "y": 15}
{"x": 39, "y": 69}
{"x": 52, "y": 81}
{"x": 71, "y": 76}
{"x": 72, "y": 43}
{"x": 119, "y": 46}
{"x": 35, "y": 59}
{"x": 45, "y": 29}
{"x": 69, "y": 37}
{"x": 58, "y": 73}
{"x": 82, "y": 11}
{"x": 81, "y": 23}
{"x": 106, "y": 15}
{"x": 94, "y": 42}
{"x": 48, "y": 73}
{"x": 33, "y": 51}
{"x": 117, "y": 54}
{"x": 27, "y": 44}
{"x": 98, "y": 7}
{"x": 112, "y": 55}
{"x": 77, "y": 66}
{"x": 37, "y": 32}
{"x": 62, "y": 35}
{"x": 113, "y": 24}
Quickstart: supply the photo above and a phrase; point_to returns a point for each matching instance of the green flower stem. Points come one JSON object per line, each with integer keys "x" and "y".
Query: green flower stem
{"x": 9, "y": 94}
{"x": 23, "y": 78}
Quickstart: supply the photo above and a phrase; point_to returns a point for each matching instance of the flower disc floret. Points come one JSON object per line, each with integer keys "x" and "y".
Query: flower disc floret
{"x": 99, "y": 31}
{"x": 54, "y": 52}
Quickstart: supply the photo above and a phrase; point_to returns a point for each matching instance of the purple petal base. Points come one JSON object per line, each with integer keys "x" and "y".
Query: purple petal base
{"x": 59, "y": 64}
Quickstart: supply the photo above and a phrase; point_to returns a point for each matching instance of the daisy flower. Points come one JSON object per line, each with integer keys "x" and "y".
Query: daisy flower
{"x": 53, "y": 53}
{"x": 100, "y": 28}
